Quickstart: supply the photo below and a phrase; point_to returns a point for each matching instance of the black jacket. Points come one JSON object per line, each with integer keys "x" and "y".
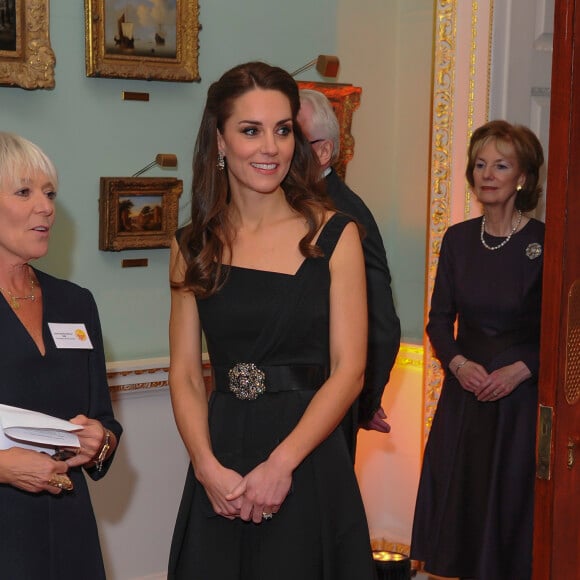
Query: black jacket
{"x": 384, "y": 326}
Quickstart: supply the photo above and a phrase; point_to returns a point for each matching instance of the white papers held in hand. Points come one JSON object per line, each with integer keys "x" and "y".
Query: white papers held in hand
{"x": 36, "y": 431}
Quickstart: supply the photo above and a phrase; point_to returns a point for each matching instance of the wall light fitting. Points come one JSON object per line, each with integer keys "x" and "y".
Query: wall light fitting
{"x": 161, "y": 159}
{"x": 326, "y": 65}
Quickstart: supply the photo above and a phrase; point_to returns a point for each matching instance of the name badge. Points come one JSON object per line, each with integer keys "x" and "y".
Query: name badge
{"x": 70, "y": 335}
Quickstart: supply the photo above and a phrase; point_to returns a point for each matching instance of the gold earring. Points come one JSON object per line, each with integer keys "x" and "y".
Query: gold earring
{"x": 519, "y": 187}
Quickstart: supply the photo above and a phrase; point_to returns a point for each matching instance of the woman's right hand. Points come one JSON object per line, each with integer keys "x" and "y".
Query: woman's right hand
{"x": 218, "y": 481}
{"x": 263, "y": 490}
{"x": 472, "y": 377}
{"x": 30, "y": 470}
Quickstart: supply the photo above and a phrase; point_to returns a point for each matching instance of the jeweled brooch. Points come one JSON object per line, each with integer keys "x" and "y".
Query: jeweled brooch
{"x": 247, "y": 381}
{"x": 533, "y": 251}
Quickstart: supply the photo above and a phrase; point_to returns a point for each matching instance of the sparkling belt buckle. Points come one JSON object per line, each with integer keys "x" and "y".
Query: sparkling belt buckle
{"x": 247, "y": 381}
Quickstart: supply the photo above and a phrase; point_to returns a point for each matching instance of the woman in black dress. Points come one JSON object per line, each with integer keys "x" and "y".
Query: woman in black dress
{"x": 474, "y": 511}
{"x": 47, "y": 531}
{"x": 275, "y": 280}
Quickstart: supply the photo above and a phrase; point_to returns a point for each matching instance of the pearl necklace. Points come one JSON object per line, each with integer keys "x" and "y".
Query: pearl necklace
{"x": 502, "y": 244}
{"x": 14, "y": 301}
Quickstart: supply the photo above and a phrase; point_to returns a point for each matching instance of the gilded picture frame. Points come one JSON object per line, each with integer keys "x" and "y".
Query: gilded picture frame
{"x": 26, "y": 57}
{"x": 141, "y": 40}
{"x": 138, "y": 212}
{"x": 345, "y": 100}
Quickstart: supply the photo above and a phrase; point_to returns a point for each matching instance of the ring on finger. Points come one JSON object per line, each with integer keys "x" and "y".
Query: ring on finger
{"x": 61, "y": 481}
{"x": 267, "y": 515}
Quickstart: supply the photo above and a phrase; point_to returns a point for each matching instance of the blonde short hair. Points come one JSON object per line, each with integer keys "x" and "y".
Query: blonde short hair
{"x": 19, "y": 155}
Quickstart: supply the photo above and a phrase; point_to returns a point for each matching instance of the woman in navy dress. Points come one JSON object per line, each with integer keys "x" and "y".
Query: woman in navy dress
{"x": 474, "y": 511}
{"x": 275, "y": 280}
{"x": 48, "y": 531}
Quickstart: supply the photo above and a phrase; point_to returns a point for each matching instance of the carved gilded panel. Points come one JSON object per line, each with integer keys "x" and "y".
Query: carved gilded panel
{"x": 462, "y": 53}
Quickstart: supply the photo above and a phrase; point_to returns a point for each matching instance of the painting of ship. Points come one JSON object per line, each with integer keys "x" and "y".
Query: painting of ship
{"x": 133, "y": 28}
{"x": 125, "y": 34}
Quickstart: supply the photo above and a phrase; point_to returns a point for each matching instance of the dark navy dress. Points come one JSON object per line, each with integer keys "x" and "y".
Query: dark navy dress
{"x": 320, "y": 532}
{"x": 44, "y": 535}
{"x": 474, "y": 511}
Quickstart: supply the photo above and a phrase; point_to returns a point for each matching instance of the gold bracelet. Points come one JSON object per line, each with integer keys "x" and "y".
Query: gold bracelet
{"x": 104, "y": 450}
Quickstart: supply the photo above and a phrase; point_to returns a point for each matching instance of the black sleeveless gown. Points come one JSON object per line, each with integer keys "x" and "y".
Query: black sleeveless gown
{"x": 320, "y": 532}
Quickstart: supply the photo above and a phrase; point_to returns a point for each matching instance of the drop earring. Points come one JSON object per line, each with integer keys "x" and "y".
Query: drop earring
{"x": 221, "y": 162}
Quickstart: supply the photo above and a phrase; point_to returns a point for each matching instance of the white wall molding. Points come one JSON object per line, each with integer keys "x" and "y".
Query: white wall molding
{"x": 143, "y": 377}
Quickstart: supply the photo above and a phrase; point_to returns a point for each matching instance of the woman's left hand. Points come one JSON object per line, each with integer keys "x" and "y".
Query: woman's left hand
{"x": 504, "y": 381}
{"x": 91, "y": 437}
{"x": 262, "y": 491}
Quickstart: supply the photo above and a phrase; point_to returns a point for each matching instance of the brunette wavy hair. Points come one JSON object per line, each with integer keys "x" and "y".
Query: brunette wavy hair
{"x": 204, "y": 240}
{"x": 528, "y": 151}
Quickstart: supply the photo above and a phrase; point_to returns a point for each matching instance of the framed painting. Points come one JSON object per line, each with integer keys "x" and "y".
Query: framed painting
{"x": 345, "y": 100}
{"x": 141, "y": 39}
{"x": 138, "y": 212}
{"x": 26, "y": 57}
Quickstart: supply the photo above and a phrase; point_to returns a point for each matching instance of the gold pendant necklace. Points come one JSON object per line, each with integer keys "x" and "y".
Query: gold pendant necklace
{"x": 14, "y": 301}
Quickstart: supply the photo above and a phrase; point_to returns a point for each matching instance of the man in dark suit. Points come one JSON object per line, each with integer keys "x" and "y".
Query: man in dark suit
{"x": 320, "y": 125}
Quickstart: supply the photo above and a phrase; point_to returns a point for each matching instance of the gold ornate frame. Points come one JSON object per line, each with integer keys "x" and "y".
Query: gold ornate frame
{"x": 452, "y": 124}
{"x": 153, "y": 226}
{"x": 31, "y": 64}
{"x": 345, "y": 100}
{"x": 440, "y": 181}
{"x": 119, "y": 56}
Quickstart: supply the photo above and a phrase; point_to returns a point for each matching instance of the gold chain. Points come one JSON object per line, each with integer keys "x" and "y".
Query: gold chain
{"x": 14, "y": 301}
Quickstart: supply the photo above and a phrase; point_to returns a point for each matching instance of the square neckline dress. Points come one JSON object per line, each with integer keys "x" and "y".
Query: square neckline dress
{"x": 320, "y": 532}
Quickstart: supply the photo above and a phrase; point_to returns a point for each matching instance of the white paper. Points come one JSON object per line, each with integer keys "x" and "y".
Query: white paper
{"x": 33, "y": 430}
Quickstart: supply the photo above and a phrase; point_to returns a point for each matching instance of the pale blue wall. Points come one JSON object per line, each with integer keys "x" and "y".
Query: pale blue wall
{"x": 89, "y": 132}
{"x": 386, "y": 48}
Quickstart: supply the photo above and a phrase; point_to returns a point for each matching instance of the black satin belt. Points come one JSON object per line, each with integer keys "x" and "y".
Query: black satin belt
{"x": 278, "y": 378}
